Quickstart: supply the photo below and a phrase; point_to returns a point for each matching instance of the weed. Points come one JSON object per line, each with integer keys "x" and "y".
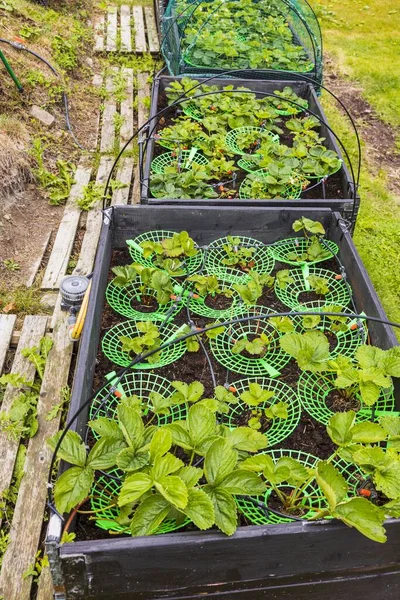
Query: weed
{"x": 92, "y": 194}
{"x": 11, "y": 265}
{"x": 57, "y": 185}
{"x": 30, "y": 33}
{"x": 37, "y": 567}
{"x": 21, "y": 300}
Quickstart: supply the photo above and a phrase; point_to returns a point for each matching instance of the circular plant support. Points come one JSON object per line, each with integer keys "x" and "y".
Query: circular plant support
{"x": 184, "y": 158}
{"x": 354, "y": 334}
{"x": 248, "y": 165}
{"x": 261, "y": 260}
{"x": 255, "y": 508}
{"x": 338, "y": 294}
{"x": 281, "y": 249}
{"x": 198, "y": 305}
{"x": 112, "y": 346}
{"x": 291, "y": 190}
{"x": 121, "y": 298}
{"x": 313, "y": 393}
{"x": 268, "y": 365}
{"x": 104, "y": 492}
{"x": 191, "y": 264}
{"x": 232, "y": 136}
{"x": 279, "y": 429}
{"x": 141, "y": 384}
{"x": 190, "y": 110}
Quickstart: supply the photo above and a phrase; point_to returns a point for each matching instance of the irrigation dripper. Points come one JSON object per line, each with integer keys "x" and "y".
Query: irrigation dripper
{"x": 75, "y": 291}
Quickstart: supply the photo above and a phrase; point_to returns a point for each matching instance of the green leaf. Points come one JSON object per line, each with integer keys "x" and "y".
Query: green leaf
{"x": 298, "y": 473}
{"x": 258, "y": 463}
{"x": 369, "y": 392}
{"x": 130, "y": 459}
{"x": 201, "y": 423}
{"x": 310, "y": 349}
{"x": 339, "y": 427}
{"x": 131, "y": 425}
{"x": 149, "y": 515}
{"x": 367, "y": 433}
{"x": 180, "y": 436}
{"x": 161, "y": 442}
{"x": 190, "y": 475}
{"x": 200, "y": 509}
{"x": 174, "y": 490}
{"x": 242, "y": 481}
{"x": 220, "y": 460}
{"x": 391, "y": 424}
{"x": 104, "y": 454}
{"x": 246, "y": 439}
{"x": 331, "y": 482}
{"x": 224, "y": 509}
{"x": 72, "y": 448}
{"x": 72, "y": 487}
{"x": 134, "y": 487}
{"x": 364, "y": 516}
{"x": 165, "y": 465}
{"x": 388, "y": 480}
{"x": 106, "y": 428}
{"x": 392, "y": 508}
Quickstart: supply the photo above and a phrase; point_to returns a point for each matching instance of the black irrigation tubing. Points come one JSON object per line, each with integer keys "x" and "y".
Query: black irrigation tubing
{"x": 198, "y": 332}
{"x": 20, "y": 46}
{"x": 268, "y": 94}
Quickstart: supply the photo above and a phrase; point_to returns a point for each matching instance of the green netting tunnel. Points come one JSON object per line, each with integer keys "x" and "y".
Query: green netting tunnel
{"x": 268, "y": 365}
{"x": 314, "y": 499}
{"x": 280, "y": 251}
{"x": 354, "y": 334}
{"x": 232, "y": 139}
{"x": 216, "y": 254}
{"x": 338, "y": 294}
{"x": 279, "y": 429}
{"x": 182, "y": 158}
{"x": 112, "y": 346}
{"x": 121, "y": 299}
{"x": 105, "y": 492}
{"x": 198, "y": 305}
{"x": 192, "y": 264}
{"x": 136, "y": 383}
{"x": 313, "y": 391}
{"x": 291, "y": 191}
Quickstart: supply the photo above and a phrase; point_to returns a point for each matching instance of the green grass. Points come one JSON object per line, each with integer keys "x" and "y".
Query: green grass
{"x": 363, "y": 37}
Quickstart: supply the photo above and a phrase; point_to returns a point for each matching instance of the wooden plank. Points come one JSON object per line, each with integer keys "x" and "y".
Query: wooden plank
{"x": 99, "y": 33}
{"x": 111, "y": 44}
{"x": 45, "y": 586}
{"x": 61, "y": 252}
{"x": 7, "y": 324}
{"x": 27, "y": 521}
{"x": 127, "y": 108}
{"x": 124, "y": 175}
{"x": 33, "y": 330}
{"x": 36, "y": 265}
{"x": 98, "y": 83}
{"x": 140, "y": 36}
{"x": 107, "y": 136}
{"x": 93, "y": 224}
{"x": 126, "y": 36}
{"x": 143, "y": 88}
{"x": 152, "y": 35}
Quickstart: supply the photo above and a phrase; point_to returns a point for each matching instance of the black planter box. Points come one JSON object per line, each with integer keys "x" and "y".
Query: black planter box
{"x": 294, "y": 561}
{"x": 348, "y": 206}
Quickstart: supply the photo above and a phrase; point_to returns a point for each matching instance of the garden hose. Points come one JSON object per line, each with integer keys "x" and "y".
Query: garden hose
{"x": 76, "y": 323}
{"x": 20, "y": 46}
{"x": 144, "y": 356}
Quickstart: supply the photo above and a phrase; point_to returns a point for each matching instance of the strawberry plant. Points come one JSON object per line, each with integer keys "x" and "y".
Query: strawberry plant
{"x": 255, "y": 347}
{"x": 238, "y": 255}
{"x": 150, "y": 340}
{"x": 177, "y": 183}
{"x": 251, "y": 291}
{"x": 255, "y": 396}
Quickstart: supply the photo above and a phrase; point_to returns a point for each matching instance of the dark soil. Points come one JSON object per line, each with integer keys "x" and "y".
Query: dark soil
{"x": 275, "y": 504}
{"x": 243, "y": 419}
{"x": 310, "y": 297}
{"x": 336, "y": 401}
{"x": 310, "y": 436}
{"x": 218, "y": 302}
{"x": 332, "y": 339}
{"x": 145, "y": 305}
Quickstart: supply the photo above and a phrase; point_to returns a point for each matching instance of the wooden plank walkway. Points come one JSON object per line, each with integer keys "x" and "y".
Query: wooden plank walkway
{"x": 142, "y": 115}
{"x": 126, "y": 30}
{"x": 7, "y": 324}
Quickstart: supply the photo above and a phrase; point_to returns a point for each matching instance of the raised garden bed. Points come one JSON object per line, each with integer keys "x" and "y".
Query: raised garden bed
{"x": 233, "y": 178}
{"x": 269, "y": 41}
{"x": 292, "y": 560}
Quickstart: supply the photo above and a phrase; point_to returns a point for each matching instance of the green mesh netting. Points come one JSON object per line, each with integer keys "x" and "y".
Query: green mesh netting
{"x": 290, "y": 190}
{"x": 338, "y": 291}
{"x": 313, "y": 391}
{"x": 175, "y": 144}
{"x": 233, "y": 143}
{"x": 105, "y": 492}
{"x": 112, "y": 347}
{"x": 248, "y": 165}
{"x": 198, "y": 305}
{"x": 355, "y": 332}
{"x": 190, "y": 110}
{"x": 136, "y": 383}
{"x": 270, "y": 364}
{"x": 121, "y": 299}
{"x": 314, "y": 499}
{"x": 192, "y": 264}
{"x": 281, "y": 249}
{"x": 261, "y": 260}
{"x": 279, "y": 429}
{"x": 184, "y": 158}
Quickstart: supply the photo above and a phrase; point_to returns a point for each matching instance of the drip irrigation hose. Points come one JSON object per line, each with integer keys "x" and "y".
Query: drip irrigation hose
{"x": 19, "y": 46}
{"x": 141, "y": 357}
